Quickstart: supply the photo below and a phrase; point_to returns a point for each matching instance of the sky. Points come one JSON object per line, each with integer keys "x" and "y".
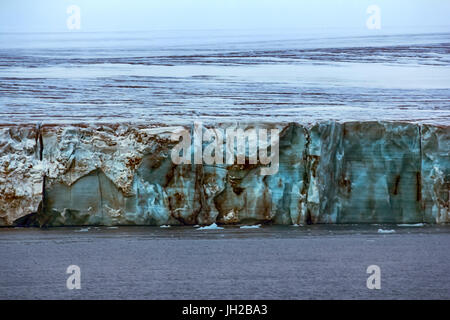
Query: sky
{"x": 133, "y": 15}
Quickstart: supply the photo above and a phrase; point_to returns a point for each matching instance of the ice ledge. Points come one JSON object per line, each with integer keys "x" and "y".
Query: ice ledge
{"x": 122, "y": 174}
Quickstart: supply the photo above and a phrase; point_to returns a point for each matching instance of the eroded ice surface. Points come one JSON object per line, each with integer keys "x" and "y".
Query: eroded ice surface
{"x": 330, "y": 172}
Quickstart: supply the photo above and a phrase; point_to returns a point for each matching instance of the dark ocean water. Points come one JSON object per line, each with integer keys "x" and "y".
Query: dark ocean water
{"x": 175, "y": 76}
{"x": 317, "y": 262}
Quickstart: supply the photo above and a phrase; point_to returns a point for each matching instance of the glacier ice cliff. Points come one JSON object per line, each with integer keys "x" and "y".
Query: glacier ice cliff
{"x": 21, "y": 179}
{"x": 122, "y": 174}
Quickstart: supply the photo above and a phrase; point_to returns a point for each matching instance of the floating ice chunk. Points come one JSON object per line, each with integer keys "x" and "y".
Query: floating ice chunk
{"x": 411, "y": 225}
{"x": 83, "y": 230}
{"x": 210, "y": 227}
{"x": 113, "y": 228}
{"x": 385, "y": 231}
{"x": 251, "y": 227}
{"x": 164, "y": 226}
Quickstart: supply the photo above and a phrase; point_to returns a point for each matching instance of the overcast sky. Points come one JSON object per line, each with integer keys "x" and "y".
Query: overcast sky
{"x": 124, "y": 15}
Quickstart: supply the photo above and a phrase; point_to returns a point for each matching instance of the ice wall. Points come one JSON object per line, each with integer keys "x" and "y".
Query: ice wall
{"x": 330, "y": 172}
{"x": 21, "y": 179}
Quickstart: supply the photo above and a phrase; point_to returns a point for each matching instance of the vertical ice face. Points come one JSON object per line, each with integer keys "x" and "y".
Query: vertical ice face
{"x": 435, "y": 187}
{"x": 94, "y": 174}
{"x": 324, "y": 167}
{"x": 380, "y": 177}
{"x": 329, "y": 172}
{"x": 21, "y": 181}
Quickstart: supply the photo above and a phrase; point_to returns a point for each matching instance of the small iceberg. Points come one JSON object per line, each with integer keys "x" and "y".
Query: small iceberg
{"x": 210, "y": 227}
{"x": 251, "y": 227}
{"x": 411, "y": 225}
{"x": 385, "y": 231}
{"x": 112, "y": 228}
{"x": 83, "y": 230}
{"x": 164, "y": 226}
